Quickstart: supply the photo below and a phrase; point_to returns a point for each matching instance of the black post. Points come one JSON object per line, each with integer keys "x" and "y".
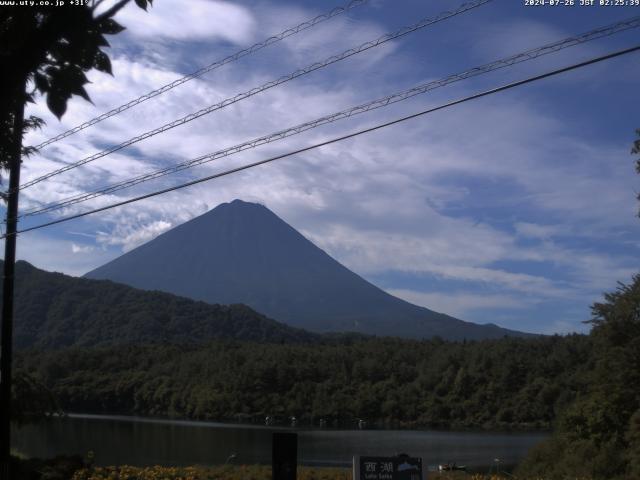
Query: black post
{"x": 6, "y": 330}
{"x": 284, "y": 458}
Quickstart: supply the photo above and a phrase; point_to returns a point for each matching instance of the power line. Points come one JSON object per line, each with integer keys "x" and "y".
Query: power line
{"x": 338, "y": 139}
{"x": 212, "y": 66}
{"x": 372, "y": 105}
{"x": 284, "y": 79}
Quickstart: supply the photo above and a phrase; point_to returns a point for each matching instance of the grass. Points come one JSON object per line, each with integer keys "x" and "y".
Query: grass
{"x": 224, "y": 472}
{"x": 245, "y": 472}
{"x": 74, "y": 468}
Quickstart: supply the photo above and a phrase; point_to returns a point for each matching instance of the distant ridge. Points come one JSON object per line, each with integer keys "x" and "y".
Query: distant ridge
{"x": 241, "y": 252}
{"x": 54, "y": 311}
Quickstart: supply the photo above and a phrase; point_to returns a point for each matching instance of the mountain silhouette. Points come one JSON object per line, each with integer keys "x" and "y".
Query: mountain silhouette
{"x": 241, "y": 252}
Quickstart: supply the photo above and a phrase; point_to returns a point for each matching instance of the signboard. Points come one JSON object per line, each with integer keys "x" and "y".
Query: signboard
{"x": 401, "y": 467}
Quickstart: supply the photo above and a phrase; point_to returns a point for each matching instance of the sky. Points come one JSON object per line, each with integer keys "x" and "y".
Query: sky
{"x": 517, "y": 209}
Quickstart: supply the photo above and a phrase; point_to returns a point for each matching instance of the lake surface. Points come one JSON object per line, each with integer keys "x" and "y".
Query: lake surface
{"x": 141, "y": 442}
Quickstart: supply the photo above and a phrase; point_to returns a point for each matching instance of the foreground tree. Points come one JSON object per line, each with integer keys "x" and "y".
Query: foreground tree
{"x": 45, "y": 50}
{"x": 598, "y": 436}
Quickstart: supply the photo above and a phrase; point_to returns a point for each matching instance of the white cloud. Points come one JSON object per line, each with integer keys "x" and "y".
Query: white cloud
{"x": 75, "y": 248}
{"x": 130, "y": 236}
{"x": 443, "y": 242}
{"x": 461, "y": 304}
{"x": 190, "y": 20}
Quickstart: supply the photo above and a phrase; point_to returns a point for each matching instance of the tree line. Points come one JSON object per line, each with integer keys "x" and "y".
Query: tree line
{"x": 507, "y": 383}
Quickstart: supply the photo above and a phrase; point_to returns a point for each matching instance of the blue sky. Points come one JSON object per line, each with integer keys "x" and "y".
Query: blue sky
{"x": 517, "y": 209}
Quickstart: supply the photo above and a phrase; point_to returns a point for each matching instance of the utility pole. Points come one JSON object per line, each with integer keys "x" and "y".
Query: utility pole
{"x": 6, "y": 330}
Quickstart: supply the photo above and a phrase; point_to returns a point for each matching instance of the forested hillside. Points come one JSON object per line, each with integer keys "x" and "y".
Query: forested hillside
{"x": 53, "y": 310}
{"x": 521, "y": 383}
{"x": 598, "y": 435}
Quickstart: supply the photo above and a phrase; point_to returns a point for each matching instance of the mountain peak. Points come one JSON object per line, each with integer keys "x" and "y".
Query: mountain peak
{"x": 241, "y": 252}
{"x": 239, "y": 204}
{"x": 237, "y": 209}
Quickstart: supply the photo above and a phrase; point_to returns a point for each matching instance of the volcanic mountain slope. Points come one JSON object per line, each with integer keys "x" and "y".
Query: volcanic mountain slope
{"x": 53, "y": 311}
{"x": 242, "y": 252}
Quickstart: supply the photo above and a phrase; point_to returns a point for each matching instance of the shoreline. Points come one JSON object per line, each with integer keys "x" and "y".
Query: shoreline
{"x": 302, "y": 427}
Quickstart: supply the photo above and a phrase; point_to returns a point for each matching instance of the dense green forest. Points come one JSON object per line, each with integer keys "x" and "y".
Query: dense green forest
{"x": 598, "y": 434}
{"x": 99, "y": 347}
{"x": 53, "y": 310}
{"x": 584, "y": 386}
{"x": 508, "y": 383}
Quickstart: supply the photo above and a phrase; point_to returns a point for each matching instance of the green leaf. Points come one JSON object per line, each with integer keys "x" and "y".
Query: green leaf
{"x": 99, "y": 40}
{"x": 83, "y": 93}
{"x": 63, "y": 83}
{"x": 101, "y": 62}
{"x": 41, "y": 81}
{"x": 71, "y": 81}
{"x": 32, "y": 123}
{"x": 110, "y": 27}
{"x": 57, "y": 103}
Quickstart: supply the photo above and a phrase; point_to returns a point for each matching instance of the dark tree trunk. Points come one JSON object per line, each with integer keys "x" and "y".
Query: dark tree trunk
{"x": 6, "y": 329}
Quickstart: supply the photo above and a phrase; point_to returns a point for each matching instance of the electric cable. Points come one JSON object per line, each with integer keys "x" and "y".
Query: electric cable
{"x": 337, "y": 139}
{"x": 465, "y": 7}
{"x": 212, "y": 66}
{"x": 366, "y": 107}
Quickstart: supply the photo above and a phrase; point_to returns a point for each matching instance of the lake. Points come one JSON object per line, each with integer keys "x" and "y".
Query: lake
{"x": 141, "y": 442}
